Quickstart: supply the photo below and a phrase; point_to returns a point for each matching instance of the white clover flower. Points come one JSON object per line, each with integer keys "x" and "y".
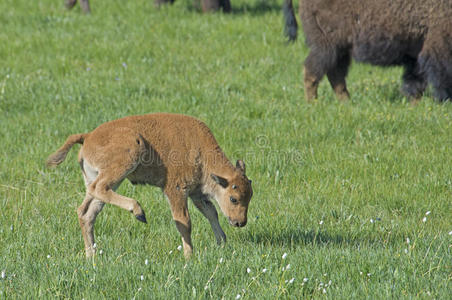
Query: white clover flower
{"x": 142, "y": 277}
{"x": 238, "y": 296}
{"x": 248, "y": 270}
{"x": 372, "y": 220}
{"x": 171, "y": 251}
{"x": 146, "y": 261}
{"x": 360, "y": 273}
{"x": 94, "y": 246}
{"x": 305, "y": 279}
{"x": 264, "y": 270}
{"x": 48, "y": 255}
{"x": 329, "y": 282}
{"x": 221, "y": 260}
{"x": 288, "y": 267}
{"x": 424, "y": 219}
{"x": 101, "y": 251}
{"x": 284, "y": 255}
{"x": 3, "y": 274}
{"x": 368, "y": 274}
{"x": 407, "y": 240}
{"x": 450, "y": 232}
{"x": 406, "y": 251}
{"x": 427, "y": 213}
{"x": 179, "y": 247}
{"x": 324, "y": 291}
{"x": 292, "y": 280}
{"x": 321, "y": 222}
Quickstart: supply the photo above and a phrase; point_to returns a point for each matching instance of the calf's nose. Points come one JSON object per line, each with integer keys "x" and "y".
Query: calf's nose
{"x": 237, "y": 223}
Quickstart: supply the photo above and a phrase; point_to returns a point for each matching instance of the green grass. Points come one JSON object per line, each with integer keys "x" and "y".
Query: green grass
{"x": 369, "y": 169}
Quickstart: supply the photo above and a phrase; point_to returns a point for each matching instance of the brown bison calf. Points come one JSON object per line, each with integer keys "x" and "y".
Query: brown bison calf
{"x": 177, "y": 153}
{"x": 206, "y": 5}
{"x": 415, "y": 34}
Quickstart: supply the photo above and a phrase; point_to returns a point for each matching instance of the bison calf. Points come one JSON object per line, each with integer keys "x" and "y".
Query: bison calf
{"x": 177, "y": 153}
{"x": 415, "y": 34}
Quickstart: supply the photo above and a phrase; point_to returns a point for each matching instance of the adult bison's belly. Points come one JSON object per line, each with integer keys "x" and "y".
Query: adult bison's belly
{"x": 382, "y": 48}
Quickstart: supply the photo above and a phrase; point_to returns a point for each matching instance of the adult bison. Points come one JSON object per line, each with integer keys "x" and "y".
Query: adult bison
{"x": 415, "y": 34}
{"x": 206, "y": 5}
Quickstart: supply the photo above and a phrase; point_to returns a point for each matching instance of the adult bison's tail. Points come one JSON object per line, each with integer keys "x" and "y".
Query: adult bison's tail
{"x": 59, "y": 156}
{"x": 290, "y": 26}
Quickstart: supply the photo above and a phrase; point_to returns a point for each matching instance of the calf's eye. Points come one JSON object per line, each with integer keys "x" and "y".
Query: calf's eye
{"x": 233, "y": 200}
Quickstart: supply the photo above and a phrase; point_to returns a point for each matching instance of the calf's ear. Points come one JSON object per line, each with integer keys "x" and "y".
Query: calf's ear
{"x": 241, "y": 166}
{"x": 220, "y": 180}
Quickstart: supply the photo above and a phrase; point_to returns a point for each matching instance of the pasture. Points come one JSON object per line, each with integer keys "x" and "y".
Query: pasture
{"x": 351, "y": 200}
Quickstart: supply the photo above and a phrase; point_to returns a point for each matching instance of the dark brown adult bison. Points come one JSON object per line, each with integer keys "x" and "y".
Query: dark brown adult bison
{"x": 206, "y": 5}
{"x": 415, "y": 34}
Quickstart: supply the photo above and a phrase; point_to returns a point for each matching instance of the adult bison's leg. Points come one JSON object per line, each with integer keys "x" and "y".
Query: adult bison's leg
{"x": 439, "y": 75}
{"x": 210, "y": 5}
{"x": 312, "y": 77}
{"x": 316, "y": 65}
{"x": 435, "y": 60}
{"x": 225, "y": 5}
{"x": 414, "y": 83}
{"x": 337, "y": 74}
{"x": 70, "y": 3}
{"x": 160, "y": 2}
{"x": 85, "y": 6}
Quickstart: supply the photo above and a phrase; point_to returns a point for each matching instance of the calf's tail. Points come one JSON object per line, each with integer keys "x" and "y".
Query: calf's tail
{"x": 290, "y": 26}
{"x": 59, "y": 156}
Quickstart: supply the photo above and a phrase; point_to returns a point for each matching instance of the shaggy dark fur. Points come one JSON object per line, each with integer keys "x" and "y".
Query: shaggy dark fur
{"x": 415, "y": 34}
{"x": 291, "y": 26}
{"x": 206, "y": 5}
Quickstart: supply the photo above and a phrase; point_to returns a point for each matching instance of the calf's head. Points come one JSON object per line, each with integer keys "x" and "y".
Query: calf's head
{"x": 234, "y": 194}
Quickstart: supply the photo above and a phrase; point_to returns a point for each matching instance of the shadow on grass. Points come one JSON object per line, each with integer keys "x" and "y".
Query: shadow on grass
{"x": 294, "y": 237}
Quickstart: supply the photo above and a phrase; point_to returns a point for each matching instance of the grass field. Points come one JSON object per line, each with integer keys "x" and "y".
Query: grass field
{"x": 356, "y": 197}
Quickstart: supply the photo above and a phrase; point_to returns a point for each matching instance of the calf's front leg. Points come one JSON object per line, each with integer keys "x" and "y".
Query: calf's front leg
{"x": 209, "y": 211}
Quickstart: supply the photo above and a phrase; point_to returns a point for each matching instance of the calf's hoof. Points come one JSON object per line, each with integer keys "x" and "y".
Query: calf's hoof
{"x": 141, "y": 218}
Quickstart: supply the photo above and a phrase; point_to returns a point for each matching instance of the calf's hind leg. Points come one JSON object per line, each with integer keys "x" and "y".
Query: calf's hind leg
{"x": 179, "y": 209}
{"x": 87, "y": 213}
{"x": 103, "y": 189}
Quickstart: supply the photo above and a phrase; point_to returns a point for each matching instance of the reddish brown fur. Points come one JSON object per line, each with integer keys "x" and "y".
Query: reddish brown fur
{"x": 174, "y": 152}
